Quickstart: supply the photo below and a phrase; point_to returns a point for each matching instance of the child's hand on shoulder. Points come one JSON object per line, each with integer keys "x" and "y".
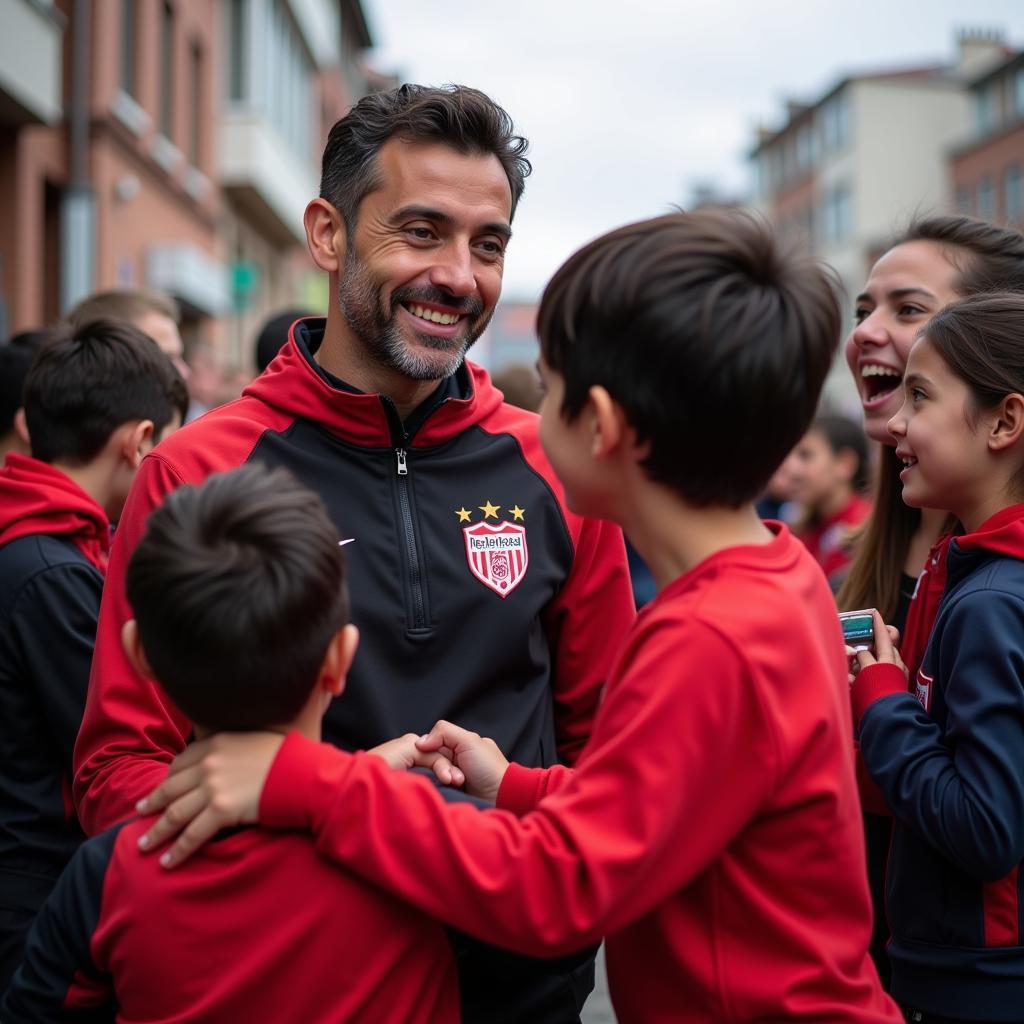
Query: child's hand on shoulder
{"x": 886, "y": 638}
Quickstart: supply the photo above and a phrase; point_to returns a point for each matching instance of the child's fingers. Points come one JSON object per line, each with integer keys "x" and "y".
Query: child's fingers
{"x": 175, "y": 818}
{"x": 201, "y": 830}
{"x": 865, "y": 658}
{"x": 174, "y": 786}
{"x": 445, "y": 734}
{"x": 883, "y": 640}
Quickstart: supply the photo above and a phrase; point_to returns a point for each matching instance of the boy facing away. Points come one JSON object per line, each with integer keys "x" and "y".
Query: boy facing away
{"x": 711, "y": 828}
{"x": 241, "y": 614}
{"x": 95, "y": 401}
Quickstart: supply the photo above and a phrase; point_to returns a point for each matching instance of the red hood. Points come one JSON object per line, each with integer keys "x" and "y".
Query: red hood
{"x": 292, "y": 385}
{"x": 1002, "y": 533}
{"x": 36, "y": 498}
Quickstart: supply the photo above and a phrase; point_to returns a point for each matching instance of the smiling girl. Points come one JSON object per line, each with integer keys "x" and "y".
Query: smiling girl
{"x": 948, "y": 756}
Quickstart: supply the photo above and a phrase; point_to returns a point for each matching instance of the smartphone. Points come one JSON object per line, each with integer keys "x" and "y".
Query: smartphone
{"x": 859, "y": 629}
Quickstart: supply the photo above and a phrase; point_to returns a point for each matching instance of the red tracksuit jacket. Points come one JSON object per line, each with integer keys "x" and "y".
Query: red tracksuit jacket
{"x": 711, "y": 828}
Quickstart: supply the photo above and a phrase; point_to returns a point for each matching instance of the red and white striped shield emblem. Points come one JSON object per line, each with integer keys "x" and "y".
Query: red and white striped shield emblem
{"x": 497, "y": 555}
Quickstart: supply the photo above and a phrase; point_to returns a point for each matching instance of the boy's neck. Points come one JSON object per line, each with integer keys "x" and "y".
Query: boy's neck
{"x": 673, "y": 537}
{"x": 92, "y": 478}
{"x": 303, "y": 724}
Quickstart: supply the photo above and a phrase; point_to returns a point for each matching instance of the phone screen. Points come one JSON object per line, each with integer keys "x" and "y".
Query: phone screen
{"x": 857, "y": 628}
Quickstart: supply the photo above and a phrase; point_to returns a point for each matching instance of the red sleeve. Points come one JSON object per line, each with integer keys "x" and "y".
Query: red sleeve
{"x": 587, "y": 623}
{"x": 130, "y": 731}
{"x": 879, "y": 680}
{"x": 650, "y": 805}
{"x": 523, "y": 788}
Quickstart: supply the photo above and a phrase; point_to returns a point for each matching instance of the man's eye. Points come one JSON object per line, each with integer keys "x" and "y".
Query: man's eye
{"x": 421, "y": 233}
{"x": 492, "y": 247}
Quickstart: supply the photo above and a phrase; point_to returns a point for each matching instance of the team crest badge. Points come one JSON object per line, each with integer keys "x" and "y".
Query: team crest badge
{"x": 497, "y": 555}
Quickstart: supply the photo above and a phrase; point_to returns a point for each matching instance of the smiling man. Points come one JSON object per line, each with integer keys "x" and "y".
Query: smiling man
{"x": 479, "y": 596}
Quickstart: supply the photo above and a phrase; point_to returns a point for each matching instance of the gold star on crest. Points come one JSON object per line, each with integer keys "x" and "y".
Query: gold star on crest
{"x": 490, "y": 511}
{"x": 464, "y": 514}
{"x": 517, "y": 512}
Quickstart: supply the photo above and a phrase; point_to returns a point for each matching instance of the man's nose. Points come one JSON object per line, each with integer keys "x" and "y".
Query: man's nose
{"x": 453, "y": 270}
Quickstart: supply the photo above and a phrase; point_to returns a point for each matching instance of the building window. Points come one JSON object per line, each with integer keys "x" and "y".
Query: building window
{"x": 236, "y": 50}
{"x": 986, "y": 198}
{"x": 805, "y": 148}
{"x": 1018, "y": 93}
{"x": 1013, "y": 200}
{"x": 289, "y": 81}
{"x": 166, "y": 70}
{"x": 964, "y": 201}
{"x": 128, "y": 43}
{"x": 986, "y": 112}
{"x": 195, "y": 127}
{"x": 836, "y": 215}
{"x": 835, "y": 122}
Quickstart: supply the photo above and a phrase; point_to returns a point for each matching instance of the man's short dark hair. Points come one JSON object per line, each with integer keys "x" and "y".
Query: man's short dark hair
{"x": 238, "y": 587}
{"x": 463, "y": 118}
{"x": 15, "y": 361}
{"x": 714, "y": 342}
{"x": 86, "y": 383}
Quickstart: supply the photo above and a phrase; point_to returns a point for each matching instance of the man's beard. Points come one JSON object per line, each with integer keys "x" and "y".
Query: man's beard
{"x": 359, "y": 297}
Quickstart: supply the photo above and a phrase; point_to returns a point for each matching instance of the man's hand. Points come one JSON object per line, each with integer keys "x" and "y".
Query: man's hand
{"x": 886, "y": 638}
{"x": 214, "y": 784}
{"x": 478, "y": 758}
{"x": 404, "y": 753}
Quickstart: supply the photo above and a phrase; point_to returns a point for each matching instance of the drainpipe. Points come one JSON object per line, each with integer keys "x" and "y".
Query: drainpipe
{"x": 78, "y": 205}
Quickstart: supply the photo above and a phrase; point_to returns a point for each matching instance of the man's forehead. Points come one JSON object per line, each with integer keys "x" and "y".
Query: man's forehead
{"x": 432, "y": 174}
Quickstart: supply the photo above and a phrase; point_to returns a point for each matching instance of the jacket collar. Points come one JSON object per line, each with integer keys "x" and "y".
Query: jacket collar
{"x": 296, "y": 384}
{"x": 37, "y": 498}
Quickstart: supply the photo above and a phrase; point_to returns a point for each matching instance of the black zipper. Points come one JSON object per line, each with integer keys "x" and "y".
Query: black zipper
{"x": 414, "y": 577}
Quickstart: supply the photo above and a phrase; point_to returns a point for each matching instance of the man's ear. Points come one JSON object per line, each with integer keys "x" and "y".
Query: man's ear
{"x": 1007, "y": 425}
{"x": 132, "y": 644}
{"x": 338, "y": 659}
{"x": 21, "y": 427}
{"x": 325, "y": 235}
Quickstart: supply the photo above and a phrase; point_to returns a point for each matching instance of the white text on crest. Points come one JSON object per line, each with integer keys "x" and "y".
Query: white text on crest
{"x": 494, "y": 543}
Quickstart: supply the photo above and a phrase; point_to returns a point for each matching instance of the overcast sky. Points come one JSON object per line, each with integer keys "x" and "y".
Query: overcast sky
{"x": 629, "y": 105}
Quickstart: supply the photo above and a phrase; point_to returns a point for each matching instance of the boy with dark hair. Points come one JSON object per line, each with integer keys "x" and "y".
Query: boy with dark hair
{"x": 241, "y": 614}
{"x": 711, "y": 827}
{"x": 95, "y": 401}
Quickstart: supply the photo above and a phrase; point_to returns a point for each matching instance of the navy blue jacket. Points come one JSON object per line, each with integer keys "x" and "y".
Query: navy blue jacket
{"x": 948, "y": 757}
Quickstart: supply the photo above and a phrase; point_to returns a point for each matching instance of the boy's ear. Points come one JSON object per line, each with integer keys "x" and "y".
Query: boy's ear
{"x": 132, "y": 644}
{"x": 610, "y": 427}
{"x": 21, "y": 427}
{"x": 846, "y": 463}
{"x": 338, "y": 659}
{"x": 133, "y": 439}
{"x": 1007, "y": 425}
{"x": 325, "y": 235}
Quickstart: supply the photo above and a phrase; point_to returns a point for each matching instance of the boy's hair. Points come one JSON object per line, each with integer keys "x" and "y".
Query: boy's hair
{"x": 714, "y": 342}
{"x": 238, "y": 587}
{"x": 85, "y": 384}
{"x": 15, "y": 361}
{"x": 456, "y": 115}
{"x": 129, "y": 304}
{"x": 843, "y": 434}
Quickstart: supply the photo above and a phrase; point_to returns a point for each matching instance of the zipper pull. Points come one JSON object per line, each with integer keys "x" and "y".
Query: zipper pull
{"x": 403, "y": 469}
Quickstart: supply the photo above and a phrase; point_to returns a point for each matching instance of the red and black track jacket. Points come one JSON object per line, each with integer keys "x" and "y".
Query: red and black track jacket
{"x": 256, "y": 927}
{"x": 479, "y": 596}
{"x": 54, "y": 540}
